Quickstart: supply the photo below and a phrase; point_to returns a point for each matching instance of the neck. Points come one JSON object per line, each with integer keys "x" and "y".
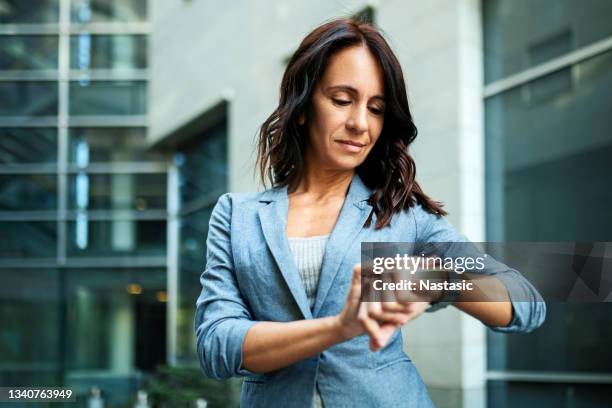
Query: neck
{"x": 322, "y": 184}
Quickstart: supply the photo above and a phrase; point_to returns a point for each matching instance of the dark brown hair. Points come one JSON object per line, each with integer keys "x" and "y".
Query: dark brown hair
{"x": 388, "y": 170}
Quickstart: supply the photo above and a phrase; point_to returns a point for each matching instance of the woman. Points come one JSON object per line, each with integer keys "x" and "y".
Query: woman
{"x": 280, "y": 303}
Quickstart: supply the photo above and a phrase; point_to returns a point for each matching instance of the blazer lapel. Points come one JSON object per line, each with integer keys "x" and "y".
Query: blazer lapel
{"x": 273, "y": 218}
{"x": 352, "y": 217}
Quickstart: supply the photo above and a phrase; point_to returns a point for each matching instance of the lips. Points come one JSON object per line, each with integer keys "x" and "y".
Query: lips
{"x": 350, "y": 142}
{"x": 351, "y": 146}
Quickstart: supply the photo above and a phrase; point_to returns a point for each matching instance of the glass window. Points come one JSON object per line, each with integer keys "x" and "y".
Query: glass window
{"x": 21, "y": 98}
{"x": 28, "y": 192}
{"x": 541, "y": 153}
{"x": 519, "y": 34}
{"x": 501, "y": 394}
{"x": 22, "y": 52}
{"x": 114, "y": 319}
{"x": 192, "y": 259}
{"x": 28, "y": 145}
{"x": 193, "y": 232}
{"x": 118, "y": 52}
{"x": 31, "y": 11}
{"x": 203, "y": 166}
{"x": 86, "y": 11}
{"x": 548, "y": 179}
{"x": 28, "y": 239}
{"x": 122, "y": 237}
{"x": 109, "y": 145}
{"x": 28, "y": 295}
{"x": 108, "y": 98}
{"x": 117, "y": 191}
{"x": 574, "y": 337}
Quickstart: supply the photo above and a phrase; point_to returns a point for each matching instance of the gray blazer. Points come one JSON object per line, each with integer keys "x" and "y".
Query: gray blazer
{"x": 250, "y": 276}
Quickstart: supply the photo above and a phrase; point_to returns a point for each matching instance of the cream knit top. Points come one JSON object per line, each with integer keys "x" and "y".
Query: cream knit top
{"x": 308, "y": 255}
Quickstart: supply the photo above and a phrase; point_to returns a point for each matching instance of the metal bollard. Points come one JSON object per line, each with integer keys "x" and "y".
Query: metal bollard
{"x": 95, "y": 399}
{"x": 142, "y": 400}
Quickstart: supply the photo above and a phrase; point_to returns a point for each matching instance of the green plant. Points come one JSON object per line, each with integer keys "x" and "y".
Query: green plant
{"x": 180, "y": 387}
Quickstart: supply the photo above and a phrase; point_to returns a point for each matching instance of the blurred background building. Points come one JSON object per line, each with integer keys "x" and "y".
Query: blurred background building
{"x": 83, "y": 220}
{"x": 122, "y": 121}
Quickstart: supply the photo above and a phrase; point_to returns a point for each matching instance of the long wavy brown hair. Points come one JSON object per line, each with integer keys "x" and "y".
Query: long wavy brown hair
{"x": 389, "y": 170}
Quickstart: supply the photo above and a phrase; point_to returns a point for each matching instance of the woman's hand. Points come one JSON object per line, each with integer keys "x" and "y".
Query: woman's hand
{"x": 384, "y": 318}
{"x": 348, "y": 320}
{"x": 378, "y": 319}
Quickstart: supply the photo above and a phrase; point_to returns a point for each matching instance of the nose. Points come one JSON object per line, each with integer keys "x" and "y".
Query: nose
{"x": 358, "y": 120}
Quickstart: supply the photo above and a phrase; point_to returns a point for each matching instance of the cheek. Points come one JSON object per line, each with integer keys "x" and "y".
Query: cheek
{"x": 375, "y": 134}
{"x": 327, "y": 124}
{"x": 377, "y": 128}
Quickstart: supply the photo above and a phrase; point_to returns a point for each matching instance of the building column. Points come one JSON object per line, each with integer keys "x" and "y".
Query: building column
{"x": 439, "y": 45}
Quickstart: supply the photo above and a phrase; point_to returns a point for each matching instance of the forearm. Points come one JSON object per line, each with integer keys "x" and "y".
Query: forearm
{"x": 270, "y": 346}
{"x": 497, "y": 311}
{"x": 490, "y": 313}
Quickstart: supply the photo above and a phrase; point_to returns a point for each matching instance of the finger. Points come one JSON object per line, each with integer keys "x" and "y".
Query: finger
{"x": 373, "y": 307}
{"x": 376, "y": 312}
{"x": 374, "y": 345}
{"x": 370, "y": 325}
{"x": 385, "y": 334}
{"x": 354, "y": 294}
{"x": 396, "y": 307}
{"x": 395, "y": 319}
{"x": 416, "y": 309}
{"x": 387, "y": 295}
{"x": 387, "y": 331}
{"x": 402, "y": 295}
{"x": 383, "y": 316}
{"x": 355, "y": 289}
{"x": 387, "y": 322}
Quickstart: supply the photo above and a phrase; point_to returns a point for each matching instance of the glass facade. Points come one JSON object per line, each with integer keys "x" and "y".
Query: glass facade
{"x": 205, "y": 154}
{"x": 108, "y": 98}
{"x": 28, "y": 192}
{"x": 29, "y": 294}
{"x": 548, "y": 150}
{"x": 28, "y": 98}
{"x": 30, "y": 12}
{"x": 147, "y": 191}
{"x": 92, "y": 11}
{"x": 29, "y": 52}
{"x": 114, "y": 52}
{"x": 520, "y": 34}
{"x": 28, "y": 145}
{"x": 126, "y": 145}
{"x": 25, "y": 240}
{"x": 83, "y": 220}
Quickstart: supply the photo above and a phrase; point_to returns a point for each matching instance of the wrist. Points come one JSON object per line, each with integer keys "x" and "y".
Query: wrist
{"x": 338, "y": 328}
{"x": 446, "y": 296}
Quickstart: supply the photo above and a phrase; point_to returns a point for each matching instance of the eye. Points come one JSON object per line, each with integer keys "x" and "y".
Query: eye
{"x": 341, "y": 102}
{"x": 376, "y": 110}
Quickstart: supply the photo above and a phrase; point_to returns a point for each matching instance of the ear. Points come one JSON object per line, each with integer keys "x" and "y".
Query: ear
{"x": 301, "y": 119}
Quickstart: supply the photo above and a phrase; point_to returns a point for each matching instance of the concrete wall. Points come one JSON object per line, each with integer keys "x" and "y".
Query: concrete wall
{"x": 441, "y": 54}
{"x": 204, "y": 52}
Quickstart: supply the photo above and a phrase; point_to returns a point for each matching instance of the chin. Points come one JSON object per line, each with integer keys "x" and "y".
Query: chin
{"x": 346, "y": 163}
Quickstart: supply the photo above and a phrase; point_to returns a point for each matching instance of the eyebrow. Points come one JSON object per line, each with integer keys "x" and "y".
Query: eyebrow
{"x": 350, "y": 89}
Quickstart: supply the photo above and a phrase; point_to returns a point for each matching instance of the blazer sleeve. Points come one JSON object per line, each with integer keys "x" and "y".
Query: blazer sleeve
{"x": 528, "y": 313}
{"x": 222, "y": 316}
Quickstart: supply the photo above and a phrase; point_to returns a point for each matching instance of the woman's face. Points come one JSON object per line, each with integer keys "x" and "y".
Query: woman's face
{"x": 347, "y": 110}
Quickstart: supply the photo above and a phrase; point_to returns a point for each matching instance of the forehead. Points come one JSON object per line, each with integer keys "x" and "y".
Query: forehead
{"x": 356, "y": 67}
